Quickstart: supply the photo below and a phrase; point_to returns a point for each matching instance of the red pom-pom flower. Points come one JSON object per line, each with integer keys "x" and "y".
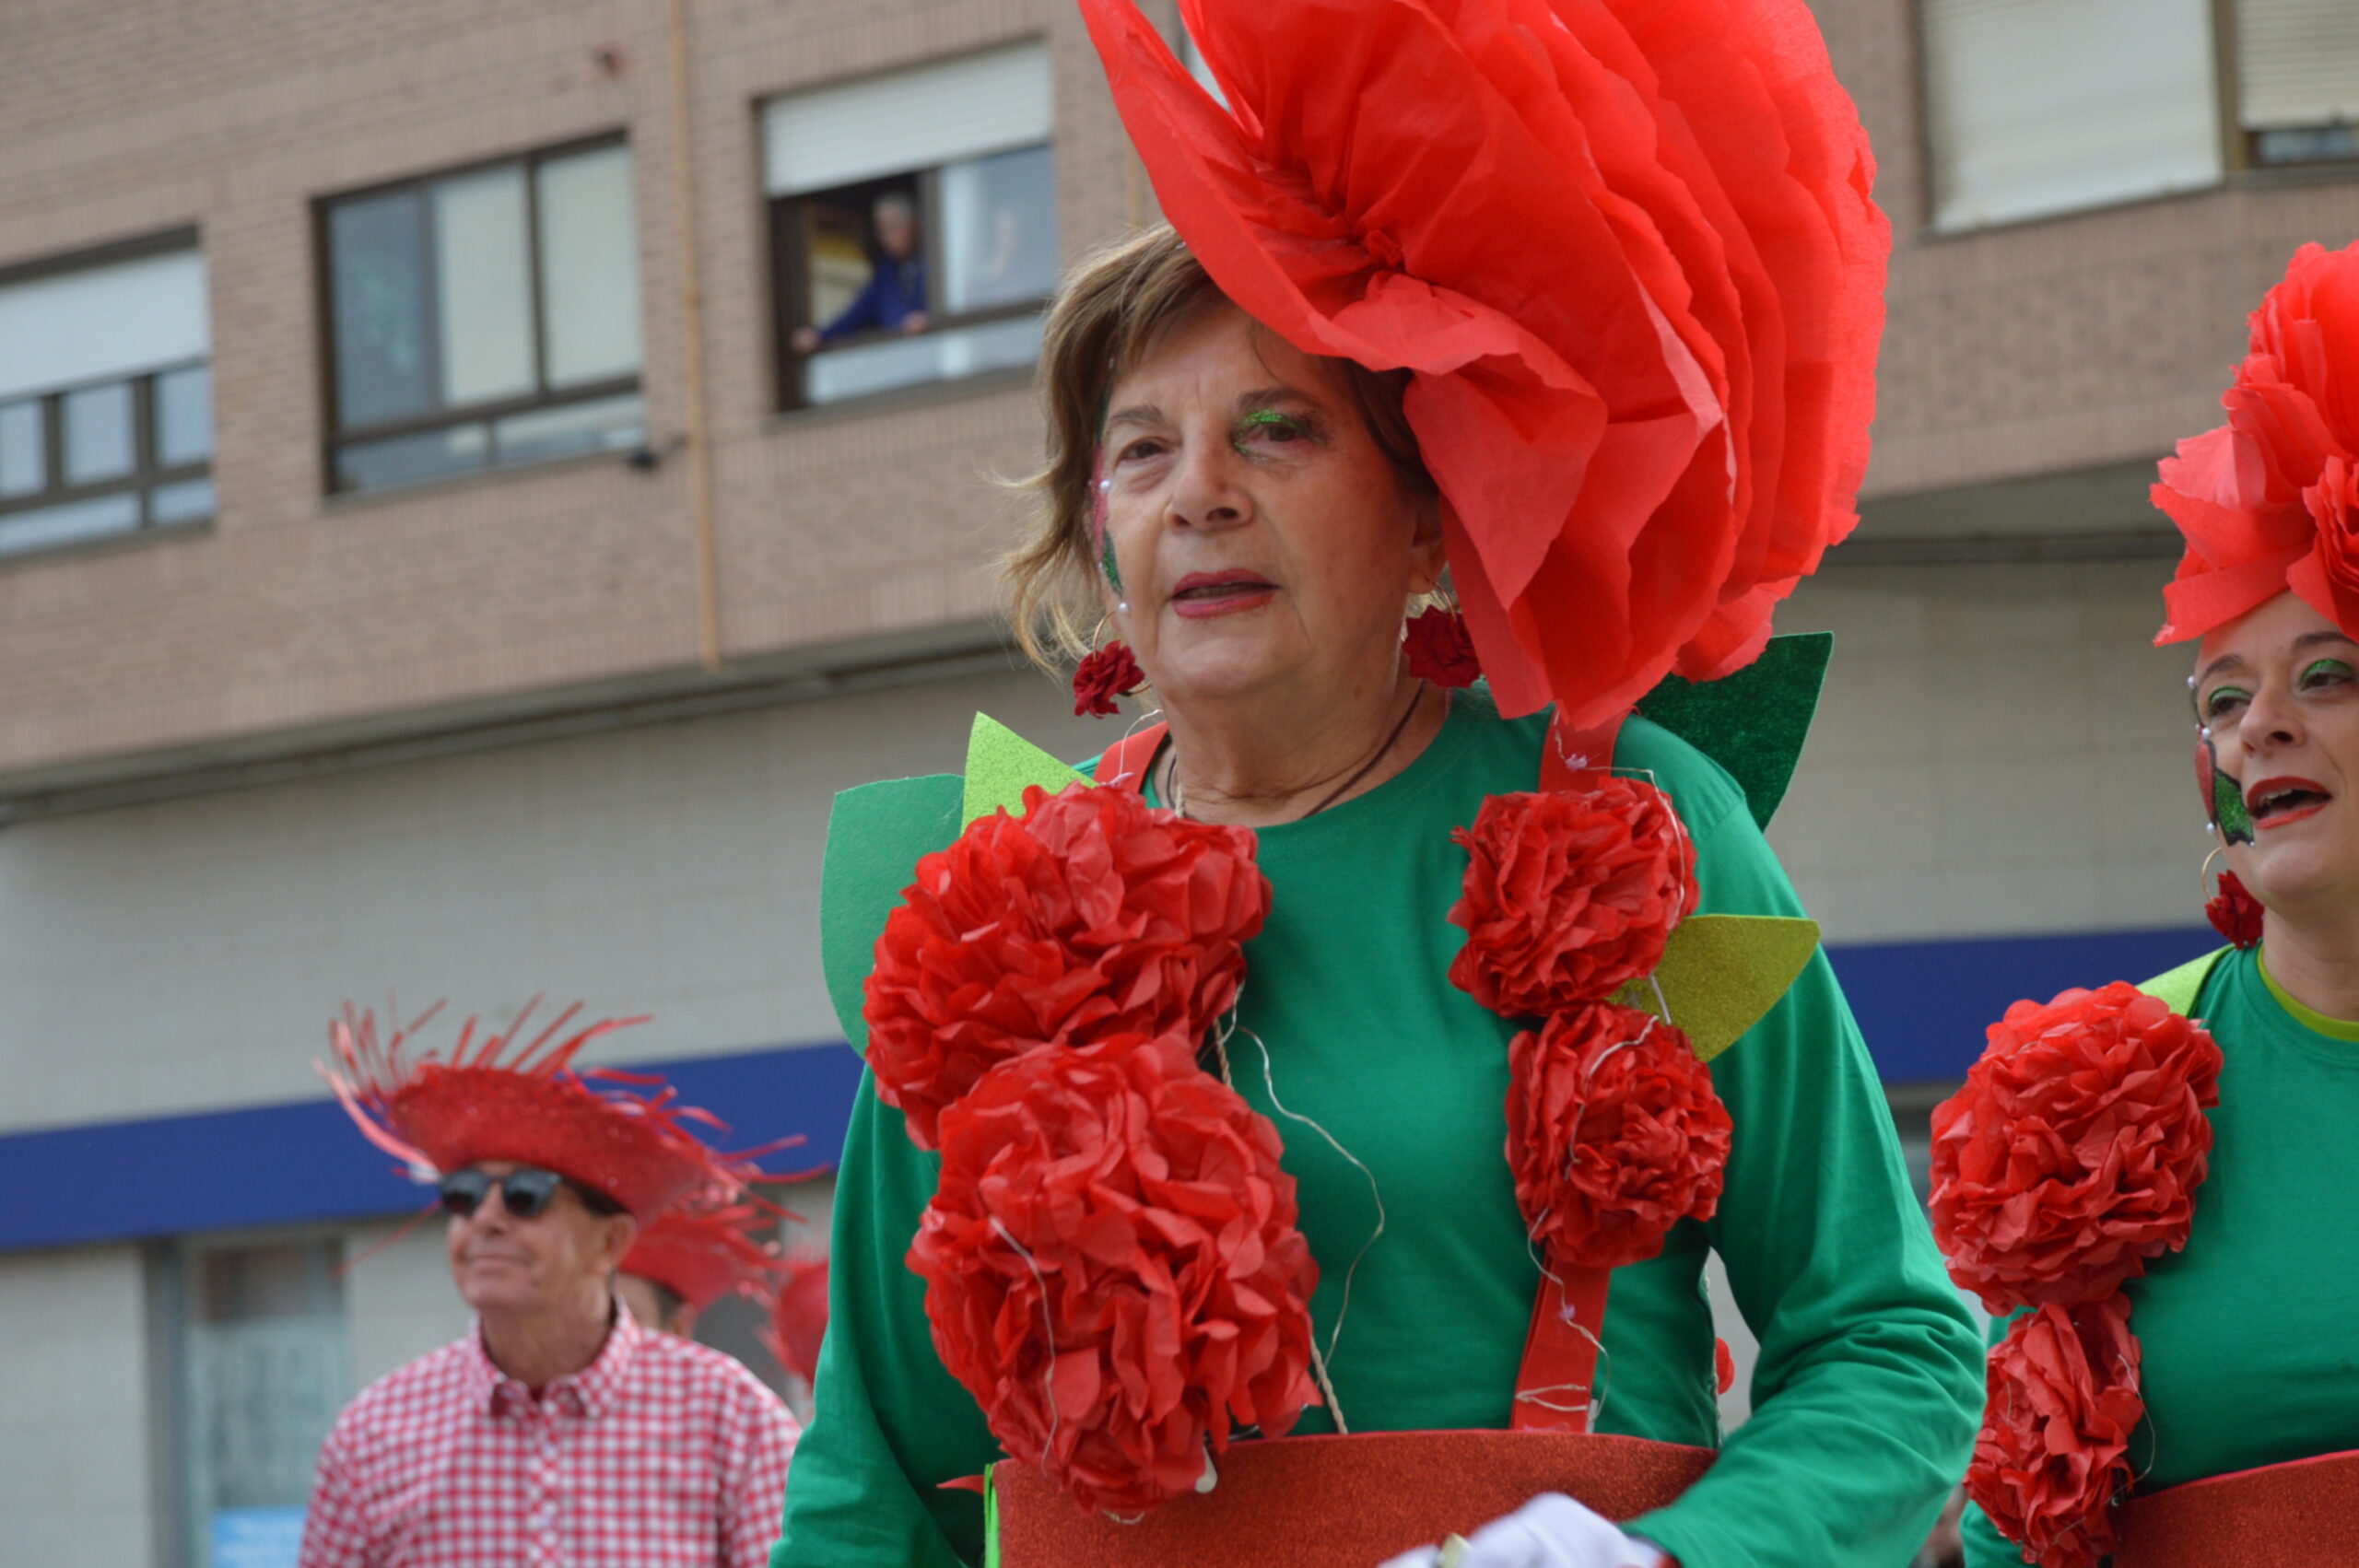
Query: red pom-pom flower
{"x": 1091, "y": 913}
{"x": 1112, "y": 1269}
{"x": 1110, "y": 672}
{"x": 2073, "y": 1152}
{"x": 1440, "y": 649}
{"x": 1614, "y": 1134}
{"x": 2055, "y": 1443}
{"x": 2234, "y": 912}
{"x": 1569, "y": 895}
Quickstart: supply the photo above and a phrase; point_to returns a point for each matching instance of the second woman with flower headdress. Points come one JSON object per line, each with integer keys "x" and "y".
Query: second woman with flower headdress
{"x": 1316, "y": 1065}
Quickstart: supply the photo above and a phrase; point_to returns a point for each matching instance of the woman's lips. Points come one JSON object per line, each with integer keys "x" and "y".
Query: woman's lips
{"x": 1202, "y": 595}
{"x": 2281, "y": 801}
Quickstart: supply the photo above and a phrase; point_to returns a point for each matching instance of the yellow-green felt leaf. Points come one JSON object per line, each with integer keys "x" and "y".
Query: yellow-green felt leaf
{"x": 1001, "y": 764}
{"x": 1720, "y": 974}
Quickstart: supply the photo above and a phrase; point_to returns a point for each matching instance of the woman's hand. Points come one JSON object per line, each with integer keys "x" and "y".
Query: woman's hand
{"x": 1550, "y": 1531}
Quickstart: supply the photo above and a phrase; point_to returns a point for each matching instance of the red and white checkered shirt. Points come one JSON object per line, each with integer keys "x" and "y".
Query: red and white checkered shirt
{"x": 660, "y": 1454}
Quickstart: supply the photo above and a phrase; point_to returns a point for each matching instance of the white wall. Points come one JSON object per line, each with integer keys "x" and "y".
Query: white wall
{"x": 74, "y": 1489}
{"x": 187, "y": 954}
{"x": 1999, "y": 749}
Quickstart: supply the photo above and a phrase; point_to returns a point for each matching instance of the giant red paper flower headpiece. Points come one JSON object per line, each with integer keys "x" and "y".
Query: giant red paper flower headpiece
{"x": 439, "y": 1114}
{"x": 1625, "y": 249}
{"x": 2270, "y": 500}
{"x": 703, "y": 1251}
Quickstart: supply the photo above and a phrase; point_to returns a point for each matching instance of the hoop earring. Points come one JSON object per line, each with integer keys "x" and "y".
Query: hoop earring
{"x": 1109, "y": 671}
{"x": 2234, "y": 912}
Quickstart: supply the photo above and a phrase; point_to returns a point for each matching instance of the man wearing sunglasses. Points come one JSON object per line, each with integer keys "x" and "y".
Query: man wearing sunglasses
{"x": 558, "y": 1432}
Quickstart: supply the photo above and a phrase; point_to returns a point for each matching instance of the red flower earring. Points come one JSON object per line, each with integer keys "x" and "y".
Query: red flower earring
{"x": 1441, "y": 649}
{"x": 2234, "y": 912}
{"x": 1109, "y": 672}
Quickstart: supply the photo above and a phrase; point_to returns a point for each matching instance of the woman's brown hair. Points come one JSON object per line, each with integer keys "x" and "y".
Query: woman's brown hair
{"x": 1116, "y": 307}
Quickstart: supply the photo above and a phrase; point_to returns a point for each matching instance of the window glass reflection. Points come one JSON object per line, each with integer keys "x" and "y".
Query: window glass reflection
{"x": 24, "y": 457}
{"x": 98, "y": 443}
{"x": 998, "y": 227}
{"x": 377, "y": 282}
{"x": 184, "y": 415}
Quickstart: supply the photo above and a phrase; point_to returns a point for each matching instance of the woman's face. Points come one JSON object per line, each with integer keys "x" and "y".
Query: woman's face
{"x": 2279, "y": 692}
{"x": 1259, "y": 535}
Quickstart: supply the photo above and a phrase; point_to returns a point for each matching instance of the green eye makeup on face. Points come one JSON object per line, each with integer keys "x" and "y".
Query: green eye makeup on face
{"x": 2214, "y": 704}
{"x": 2328, "y": 666}
{"x": 1262, "y": 419}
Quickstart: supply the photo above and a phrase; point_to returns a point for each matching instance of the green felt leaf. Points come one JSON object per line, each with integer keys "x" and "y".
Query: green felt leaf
{"x": 1721, "y": 974}
{"x": 1001, "y": 764}
{"x": 1754, "y": 722}
{"x": 876, "y": 836}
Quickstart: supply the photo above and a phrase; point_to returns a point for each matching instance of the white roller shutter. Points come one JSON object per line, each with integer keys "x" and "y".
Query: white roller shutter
{"x": 2297, "y": 62}
{"x": 906, "y": 119}
{"x": 2045, "y": 106}
{"x": 102, "y": 321}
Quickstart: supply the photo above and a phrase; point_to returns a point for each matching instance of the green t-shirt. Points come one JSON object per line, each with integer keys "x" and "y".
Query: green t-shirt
{"x": 1869, "y": 1373}
{"x": 2246, "y": 1350}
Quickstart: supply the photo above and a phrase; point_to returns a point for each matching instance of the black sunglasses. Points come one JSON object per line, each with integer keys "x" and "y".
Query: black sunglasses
{"x": 526, "y": 1193}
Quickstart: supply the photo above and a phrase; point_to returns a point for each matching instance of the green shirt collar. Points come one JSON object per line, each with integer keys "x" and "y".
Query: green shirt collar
{"x": 2308, "y": 1018}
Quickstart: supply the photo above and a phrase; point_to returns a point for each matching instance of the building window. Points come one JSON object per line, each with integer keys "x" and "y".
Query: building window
{"x": 2036, "y": 107}
{"x": 913, "y": 224}
{"x": 2297, "y": 80}
{"x": 483, "y": 320}
{"x": 267, "y": 1366}
{"x": 106, "y": 401}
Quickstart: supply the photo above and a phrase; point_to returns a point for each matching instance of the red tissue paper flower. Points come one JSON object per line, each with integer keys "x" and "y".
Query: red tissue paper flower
{"x": 2234, "y": 912}
{"x": 1614, "y": 1134}
{"x": 2054, "y": 1449}
{"x": 2270, "y": 500}
{"x": 1570, "y": 894}
{"x": 1110, "y": 672}
{"x": 2073, "y": 1152}
{"x": 1092, "y": 912}
{"x": 1112, "y": 1269}
{"x": 1440, "y": 649}
{"x": 1626, "y": 251}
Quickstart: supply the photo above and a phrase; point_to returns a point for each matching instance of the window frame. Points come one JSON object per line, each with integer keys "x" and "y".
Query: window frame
{"x": 2241, "y": 166}
{"x": 335, "y": 435}
{"x": 784, "y": 218}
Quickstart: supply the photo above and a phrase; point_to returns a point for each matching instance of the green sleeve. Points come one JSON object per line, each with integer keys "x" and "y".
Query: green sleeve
{"x": 1869, "y": 1386}
{"x": 890, "y": 1425}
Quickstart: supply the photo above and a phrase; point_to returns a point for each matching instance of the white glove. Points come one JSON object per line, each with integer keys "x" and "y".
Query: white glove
{"x": 1550, "y": 1531}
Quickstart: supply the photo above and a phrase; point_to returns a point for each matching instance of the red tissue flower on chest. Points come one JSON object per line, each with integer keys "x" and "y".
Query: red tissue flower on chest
{"x": 2073, "y": 1152}
{"x": 1112, "y": 1269}
{"x": 2055, "y": 1444}
{"x": 1092, "y": 913}
{"x": 1569, "y": 895}
{"x": 1614, "y": 1134}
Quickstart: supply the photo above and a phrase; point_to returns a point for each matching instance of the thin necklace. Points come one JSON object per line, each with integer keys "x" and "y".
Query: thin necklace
{"x": 1178, "y": 802}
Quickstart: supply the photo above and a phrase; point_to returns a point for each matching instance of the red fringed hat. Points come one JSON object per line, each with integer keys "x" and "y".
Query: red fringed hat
{"x": 442, "y": 1114}
{"x": 799, "y": 1318}
{"x": 705, "y": 1251}
{"x": 1625, "y": 249}
{"x": 2270, "y": 501}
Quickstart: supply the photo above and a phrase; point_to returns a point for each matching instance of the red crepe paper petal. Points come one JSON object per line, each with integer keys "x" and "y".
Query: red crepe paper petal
{"x": 443, "y": 1115}
{"x": 1626, "y": 250}
{"x": 1570, "y": 894}
{"x": 1438, "y": 649}
{"x": 2073, "y": 1153}
{"x": 2271, "y": 499}
{"x": 2053, "y": 1454}
{"x": 1723, "y": 1368}
{"x": 2234, "y": 913}
{"x": 1109, "y": 672}
{"x": 709, "y": 1250}
{"x": 1113, "y": 1270}
{"x": 1091, "y": 913}
{"x": 1614, "y": 1134}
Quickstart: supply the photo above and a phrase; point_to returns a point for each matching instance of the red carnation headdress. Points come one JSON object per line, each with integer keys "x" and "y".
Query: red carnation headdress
{"x": 705, "y": 1251}
{"x": 2270, "y": 500}
{"x": 439, "y": 1114}
{"x": 1625, "y": 249}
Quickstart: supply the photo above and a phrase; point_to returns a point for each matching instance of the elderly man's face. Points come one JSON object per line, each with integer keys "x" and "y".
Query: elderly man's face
{"x": 507, "y": 1264}
{"x": 897, "y": 229}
